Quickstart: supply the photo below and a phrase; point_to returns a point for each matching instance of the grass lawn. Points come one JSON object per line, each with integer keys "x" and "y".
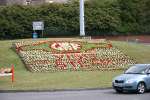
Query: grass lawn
{"x": 25, "y": 80}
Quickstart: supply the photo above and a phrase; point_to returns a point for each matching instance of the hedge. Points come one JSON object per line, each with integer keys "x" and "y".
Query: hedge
{"x": 119, "y": 17}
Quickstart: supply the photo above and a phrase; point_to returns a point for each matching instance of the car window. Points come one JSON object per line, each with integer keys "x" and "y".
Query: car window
{"x": 137, "y": 69}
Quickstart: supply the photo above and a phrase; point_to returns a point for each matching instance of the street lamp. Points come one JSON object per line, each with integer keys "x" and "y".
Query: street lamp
{"x": 82, "y": 28}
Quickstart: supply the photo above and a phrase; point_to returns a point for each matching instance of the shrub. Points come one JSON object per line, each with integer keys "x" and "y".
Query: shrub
{"x": 118, "y": 17}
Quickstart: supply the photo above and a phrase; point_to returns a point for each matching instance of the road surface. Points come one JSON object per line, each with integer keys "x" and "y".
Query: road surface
{"x": 107, "y": 94}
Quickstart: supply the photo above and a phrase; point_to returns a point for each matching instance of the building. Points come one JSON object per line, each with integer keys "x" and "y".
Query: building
{"x": 2, "y": 2}
{"x": 29, "y": 2}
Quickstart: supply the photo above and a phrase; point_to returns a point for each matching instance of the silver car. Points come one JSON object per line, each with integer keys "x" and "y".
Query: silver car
{"x": 136, "y": 78}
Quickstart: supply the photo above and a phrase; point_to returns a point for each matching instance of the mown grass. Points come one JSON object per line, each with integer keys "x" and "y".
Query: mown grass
{"x": 25, "y": 80}
{"x": 139, "y": 52}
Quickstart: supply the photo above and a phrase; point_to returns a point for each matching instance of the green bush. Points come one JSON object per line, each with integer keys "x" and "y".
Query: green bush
{"x": 134, "y": 16}
{"x": 110, "y": 17}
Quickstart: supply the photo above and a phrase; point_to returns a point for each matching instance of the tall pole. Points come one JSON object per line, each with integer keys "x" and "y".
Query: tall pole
{"x": 82, "y": 28}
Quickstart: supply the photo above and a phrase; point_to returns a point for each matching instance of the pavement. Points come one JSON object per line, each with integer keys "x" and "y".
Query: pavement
{"x": 102, "y": 94}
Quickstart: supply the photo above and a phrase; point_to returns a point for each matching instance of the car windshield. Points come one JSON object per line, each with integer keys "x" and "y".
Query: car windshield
{"x": 137, "y": 69}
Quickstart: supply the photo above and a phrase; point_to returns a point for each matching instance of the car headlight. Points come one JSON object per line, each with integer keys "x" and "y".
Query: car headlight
{"x": 130, "y": 81}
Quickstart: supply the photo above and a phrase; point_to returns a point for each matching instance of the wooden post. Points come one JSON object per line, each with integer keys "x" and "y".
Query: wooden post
{"x": 12, "y": 71}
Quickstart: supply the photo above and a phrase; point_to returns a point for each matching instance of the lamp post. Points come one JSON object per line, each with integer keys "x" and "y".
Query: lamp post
{"x": 82, "y": 28}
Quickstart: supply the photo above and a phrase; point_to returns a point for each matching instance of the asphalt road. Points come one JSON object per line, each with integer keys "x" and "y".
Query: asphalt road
{"x": 107, "y": 94}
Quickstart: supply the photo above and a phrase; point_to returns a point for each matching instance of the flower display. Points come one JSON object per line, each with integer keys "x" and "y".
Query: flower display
{"x": 52, "y": 56}
{"x": 65, "y": 46}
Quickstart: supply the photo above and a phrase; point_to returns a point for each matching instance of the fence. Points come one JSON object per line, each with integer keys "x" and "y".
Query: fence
{"x": 7, "y": 72}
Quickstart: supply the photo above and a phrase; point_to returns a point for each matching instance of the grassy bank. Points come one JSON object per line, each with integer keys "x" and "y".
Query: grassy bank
{"x": 25, "y": 80}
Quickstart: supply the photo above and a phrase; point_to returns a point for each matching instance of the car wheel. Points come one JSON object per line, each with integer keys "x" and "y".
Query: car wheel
{"x": 141, "y": 88}
{"x": 119, "y": 91}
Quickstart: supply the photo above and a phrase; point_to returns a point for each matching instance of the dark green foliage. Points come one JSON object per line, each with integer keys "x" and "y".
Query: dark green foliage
{"x": 101, "y": 19}
{"x": 134, "y": 15}
{"x": 118, "y": 17}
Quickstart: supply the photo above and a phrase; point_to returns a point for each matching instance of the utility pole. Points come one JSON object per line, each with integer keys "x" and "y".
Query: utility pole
{"x": 82, "y": 28}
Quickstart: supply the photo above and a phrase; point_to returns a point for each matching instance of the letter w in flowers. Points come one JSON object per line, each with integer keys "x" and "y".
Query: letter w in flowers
{"x": 78, "y": 60}
{"x": 72, "y": 61}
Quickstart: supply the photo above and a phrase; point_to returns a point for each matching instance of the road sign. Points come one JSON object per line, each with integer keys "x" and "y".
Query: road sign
{"x": 38, "y": 25}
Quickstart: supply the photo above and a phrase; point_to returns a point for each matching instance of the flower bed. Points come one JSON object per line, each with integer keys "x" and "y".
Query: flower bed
{"x": 52, "y": 56}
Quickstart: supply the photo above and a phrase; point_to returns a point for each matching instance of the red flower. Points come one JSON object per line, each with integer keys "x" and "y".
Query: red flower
{"x": 57, "y": 45}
